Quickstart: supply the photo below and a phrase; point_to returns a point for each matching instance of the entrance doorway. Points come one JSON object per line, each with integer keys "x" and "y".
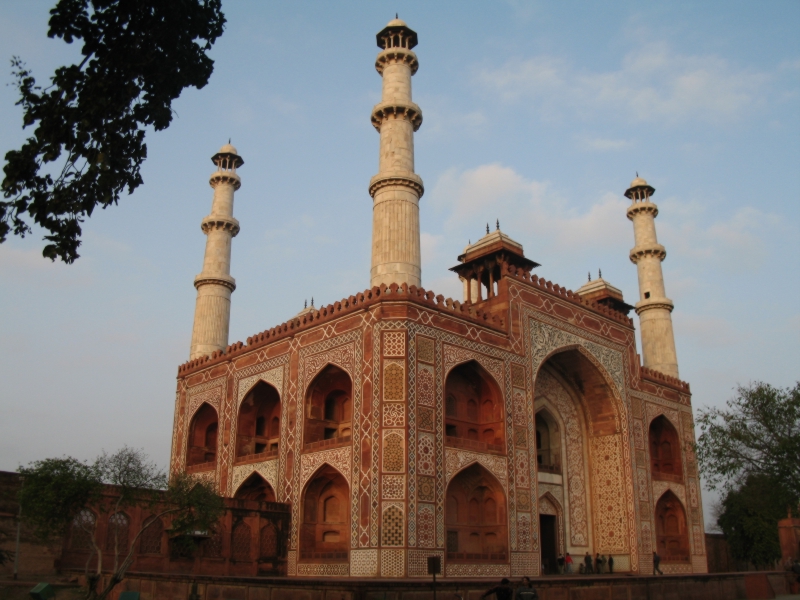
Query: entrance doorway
{"x": 547, "y": 529}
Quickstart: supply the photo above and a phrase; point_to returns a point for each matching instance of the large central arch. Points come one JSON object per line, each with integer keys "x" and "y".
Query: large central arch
{"x": 325, "y": 517}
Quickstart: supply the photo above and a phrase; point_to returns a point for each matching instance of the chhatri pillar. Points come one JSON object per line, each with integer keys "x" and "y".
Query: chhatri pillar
{"x": 654, "y": 308}
{"x": 396, "y": 189}
{"x": 214, "y": 284}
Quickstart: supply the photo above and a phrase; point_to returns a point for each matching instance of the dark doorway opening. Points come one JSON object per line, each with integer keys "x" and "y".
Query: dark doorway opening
{"x": 547, "y": 527}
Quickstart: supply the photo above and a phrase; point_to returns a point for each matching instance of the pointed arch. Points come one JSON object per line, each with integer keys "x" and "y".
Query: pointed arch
{"x": 666, "y": 460}
{"x": 474, "y": 408}
{"x": 150, "y": 540}
{"x": 117, "y": 533}
{"x": 548, "y": 442}
{"x": 255, "y": 487}
{"x": 328, "y": 409}
{"x": 325, "y": 516}
{"x": 672, "y": 529}
{"x": 478, "y": 532}
{"x": 203, "y": 437}
{"x": 256, "y": 436}
{"x": 82, "y": 531}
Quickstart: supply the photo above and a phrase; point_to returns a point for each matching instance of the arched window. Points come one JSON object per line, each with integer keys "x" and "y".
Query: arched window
{"x": 150, "y": 540}
{"x": 203, "y": 437}
{"x": 672, "y": 535}
{"x": 260, "y": 407}
{"x": 268, "y": 542}
{"x": 82, "y": 530}
{"x": 255, "y": 488}
{"x": 473, "y": 409}
{"x": 240, "y": 542}
{"x": 483, "y": 536}
{"x": 665, "y": 455}
{"x": 548, "y": 443}
{"x": 325, "y": 526}
{"x": 329, "y": 410}
{"x": 117, "y": 534}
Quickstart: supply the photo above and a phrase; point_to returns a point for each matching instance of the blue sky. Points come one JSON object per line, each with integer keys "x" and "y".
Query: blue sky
{"x": 536, "y": 114}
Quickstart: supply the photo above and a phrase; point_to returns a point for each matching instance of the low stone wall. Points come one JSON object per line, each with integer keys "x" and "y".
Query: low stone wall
{"x": 728, "y": 586}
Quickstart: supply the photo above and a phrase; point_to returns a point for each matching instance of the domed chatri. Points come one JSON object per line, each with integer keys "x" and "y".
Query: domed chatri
{"x": 396, "y": 23}
{"x": 639, "y": 189}
{"x": 230, "y": 155}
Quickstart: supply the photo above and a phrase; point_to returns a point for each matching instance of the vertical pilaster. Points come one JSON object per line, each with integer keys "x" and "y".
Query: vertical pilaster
{"x": 215, "y": 284}
{"x": 396, "y": 189}
{"x": 654, "y": 308}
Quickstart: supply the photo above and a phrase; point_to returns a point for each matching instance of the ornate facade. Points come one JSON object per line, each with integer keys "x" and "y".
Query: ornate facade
{"x": 497, "y": 431}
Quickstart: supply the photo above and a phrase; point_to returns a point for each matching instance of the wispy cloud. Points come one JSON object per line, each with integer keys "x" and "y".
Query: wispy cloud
{"x": 653, "y": 82}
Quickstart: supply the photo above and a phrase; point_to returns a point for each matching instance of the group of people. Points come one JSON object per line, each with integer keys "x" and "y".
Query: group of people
{"x": 588, "y": 566}
{"x": 504, "y": 591}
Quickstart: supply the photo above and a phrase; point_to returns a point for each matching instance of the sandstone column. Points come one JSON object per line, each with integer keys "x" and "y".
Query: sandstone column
{"x": 214, "y": 284}
{"x": 654, "y": 308}
{"x": 396, "y": 189}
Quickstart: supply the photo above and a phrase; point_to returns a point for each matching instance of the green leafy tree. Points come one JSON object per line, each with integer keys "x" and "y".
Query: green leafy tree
{"x": 57, "y": 491}
{"x": 758, "y": 434}
{"x": 749, "y": 518}
{"x": 87, "y": 145}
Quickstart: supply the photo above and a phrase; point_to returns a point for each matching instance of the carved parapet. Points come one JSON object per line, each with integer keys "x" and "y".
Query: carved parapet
{"x": 651, "y": 303}
{"x": 657, "y": 250}
{"x": 228, "y": 177}
{"x": 396, "y": 55}
{"x": 396, "y": 110}
{"x": 642, "y": 207}
{"x": 215, "y": 279}
{"x": 212, "y": 222}
{"x": 407, "y": 179}
{"x": 660, "y": 377}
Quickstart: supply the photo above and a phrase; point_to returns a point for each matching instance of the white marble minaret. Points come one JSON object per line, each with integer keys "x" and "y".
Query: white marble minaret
{"x": 396, "y": 189}
{"x": 214, "y": 284}
{"x": 654, "y": 308}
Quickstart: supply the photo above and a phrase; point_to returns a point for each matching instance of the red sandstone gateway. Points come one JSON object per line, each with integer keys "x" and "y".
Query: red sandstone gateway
{"x": 495, "y": 432}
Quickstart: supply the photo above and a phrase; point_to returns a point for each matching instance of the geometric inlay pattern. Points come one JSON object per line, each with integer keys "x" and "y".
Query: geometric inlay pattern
{"x": 425, "y": 349}
{"x": 426, "y": 454}
{"x": 393, "y": 379}
{"x": 426, "y": 526}
{"x": 456, "y": 460}
{"x": 393, "y": 451}
{"x": 425, "y": 419}
{"x": 392, "y": 563}
{"x": 426, "y": 489}
{"x": 426, "y": 387}
{"x": 394, "y": 343}
{"x": 394, "y": 487}
{"x": 392, "y": 525}
{"x": 394, "y": 414}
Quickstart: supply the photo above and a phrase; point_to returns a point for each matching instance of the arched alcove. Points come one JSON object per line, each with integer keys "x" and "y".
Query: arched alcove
{"x": 329, "y": 406}
{"x": 150, "y": 540}
{"x": 82, "y": 531}
{"x": 475, "y": 517}
{"x": 256, "y": 488}
{"x": 203, "y": 433}
{"x": 665, "y": 450}
{"x": 672, "y": 533}
{"x": 117, "y": 533}
{"x": 325, "y": 517}
{"x": 548, "y": 442}
{"x": 473, "y": 409}
{"x": 258, "y": 424}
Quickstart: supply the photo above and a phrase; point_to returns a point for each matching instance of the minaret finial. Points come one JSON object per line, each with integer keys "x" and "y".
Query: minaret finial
{"x": 229, "y": 140}
{"x": 590, "y": 275}
{"x": 498, "y": 224}
{"x": 600, "y": 273}
{"x": 312, "y": 301}
{"x": 305, "y": 304}
{"x": 396, "y": 16}
{"x": 637, "y": 173}
{"x": 487, "y": 228}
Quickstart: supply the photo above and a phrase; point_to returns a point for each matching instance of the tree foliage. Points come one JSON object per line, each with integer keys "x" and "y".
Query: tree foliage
{"x": 55, "y": 491}
{"x": 88, "y": 143}
{"x": 758, "y": 434}
{"x": 749, "y": 518}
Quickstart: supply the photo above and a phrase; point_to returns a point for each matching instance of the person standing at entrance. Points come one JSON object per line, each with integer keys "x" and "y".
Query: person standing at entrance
{"x": 610, "y": 564}
{"x": 568, "y": 564}
{"x": 587, "y": 561}
{"x": 560, "y": 563}
{"x": 656, "y": 562}
{"x": 501, "y": 592}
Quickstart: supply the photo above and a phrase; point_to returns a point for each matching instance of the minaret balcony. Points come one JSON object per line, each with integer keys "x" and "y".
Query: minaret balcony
{"x": 651, "y": 303}
{"x": 642, "y": 207}
{"x": 229, "y": 177}
{"x": 389, "y": 178}
{"x": 216, "y": 279}
{"x": 396, "y": 55}
{"x": 212, "y": 222}
{"x": 657, "y": 251}
{"x": 386, "y": 111}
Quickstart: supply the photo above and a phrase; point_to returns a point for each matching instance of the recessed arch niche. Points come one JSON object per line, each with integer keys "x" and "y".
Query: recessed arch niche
{"x": 474, "y": 413}
{"x": 476, "y": 518}
{"x": 203, "y": 434}
{"x": 329, "y": 406}
{"x": 325, "y": 517}
{"x": 258, "y": 427}
{"x": 672, "y": 534}
{"x": 256, "y": 488}
{"x": 548, "y": 442}
{"x": 665, "y": 450}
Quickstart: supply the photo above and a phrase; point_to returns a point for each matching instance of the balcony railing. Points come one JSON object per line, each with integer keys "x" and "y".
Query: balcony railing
{"x": 331, "y": 556}
{"x": 206, "y": 466}
{"x": 337, "y": 441}
{"x": 471, "y": 556}
{"x": 554, "y": 469}
{"x": 254, "y": 458}
{"x": 467, "y": 444}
